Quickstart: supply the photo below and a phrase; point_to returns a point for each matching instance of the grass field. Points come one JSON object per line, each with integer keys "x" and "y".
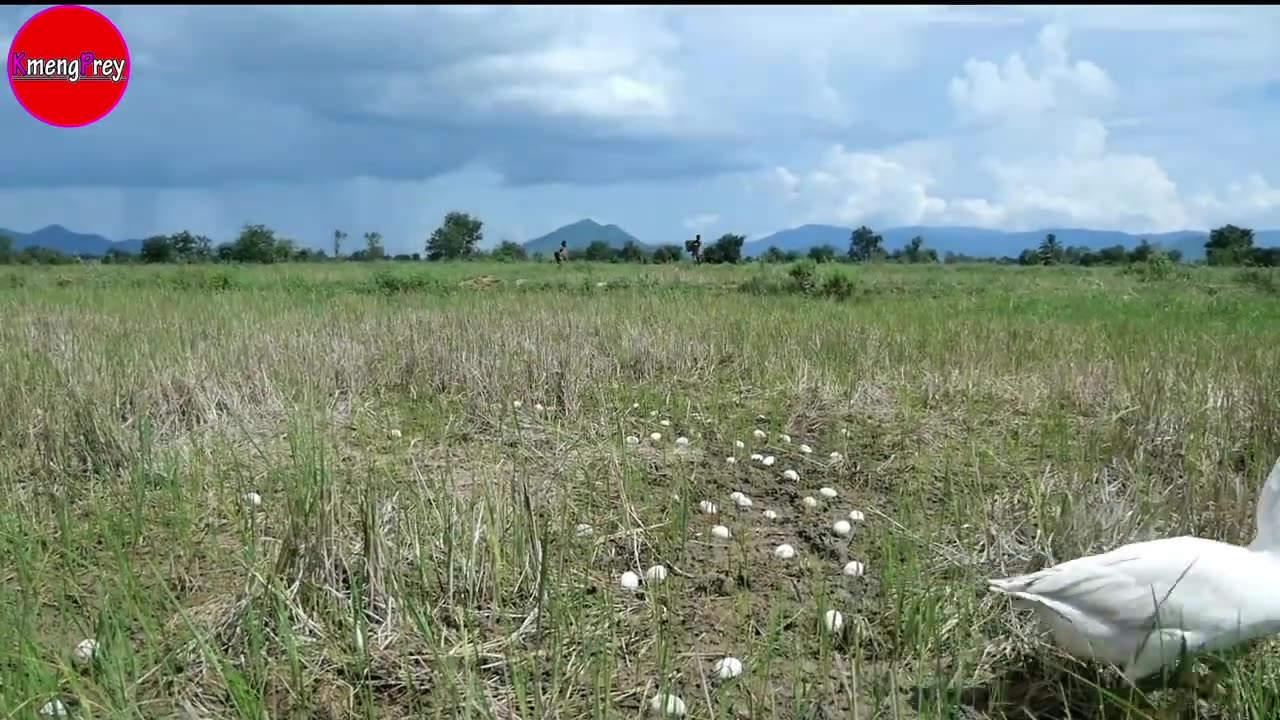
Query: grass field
{"x": 416, "y": 550}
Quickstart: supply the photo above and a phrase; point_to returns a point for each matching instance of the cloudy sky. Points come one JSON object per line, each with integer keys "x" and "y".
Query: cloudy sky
{"x": 665, "y": 121}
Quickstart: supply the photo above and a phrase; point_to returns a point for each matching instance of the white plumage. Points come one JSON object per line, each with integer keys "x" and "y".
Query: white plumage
{"x": 1142, "y": 605}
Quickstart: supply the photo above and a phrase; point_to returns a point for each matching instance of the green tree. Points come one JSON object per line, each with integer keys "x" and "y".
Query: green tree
{"x": 1029, "y": 257}
{"x": 1143, "y": 251}
{"x": 1050, "y": 250}
{"x": 6, "y": 249}
{"x": 822, "y": 254}
{"x": 1228, "y": 245}
{"x": 667, "y": 254}
{"x": 865, "y": 245}
{"x": 773, "y": 254}
{"x": 188, "y": 247}
{"x": 373, "y": 246}
{"x": 598, "y": 251}
{"x": 456, "y": 238}
{"x": 157, "y": 249}
{"x": 255, "y": 244}
{"x": 727, "y": 249}
{"x": 631, "y": 252}
{"x": 508, "y": 251}
{"x": 338, "y": 237}
{"x": 115, "y": 256}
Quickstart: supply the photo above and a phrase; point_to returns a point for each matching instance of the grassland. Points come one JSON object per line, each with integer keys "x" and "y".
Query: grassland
{"x": 415, "y": 554}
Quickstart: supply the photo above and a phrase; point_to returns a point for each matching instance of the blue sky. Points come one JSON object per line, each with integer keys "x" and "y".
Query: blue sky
{"x": 665, "y": 121}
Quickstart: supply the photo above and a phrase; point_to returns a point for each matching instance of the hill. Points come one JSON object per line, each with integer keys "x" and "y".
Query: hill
{"x": 579, "y": 235}
{"x": 983, "y": 242}
{"x": 57, "y": 237}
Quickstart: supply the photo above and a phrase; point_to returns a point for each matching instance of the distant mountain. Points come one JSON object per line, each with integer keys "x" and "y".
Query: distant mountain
{"x": 982, "y": 242}
{"x": 579, "y": 235}
{"x": 57, "y": 237}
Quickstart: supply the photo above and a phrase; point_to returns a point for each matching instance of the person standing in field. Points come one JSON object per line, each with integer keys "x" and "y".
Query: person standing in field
{"x": 695, "y": 248}
{"x": 562, "y": 252}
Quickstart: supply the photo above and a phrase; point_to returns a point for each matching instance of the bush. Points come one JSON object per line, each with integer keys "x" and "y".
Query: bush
{"x": 1157, "y": 267}
{"x": 838, "y": 286}
{"x": 1267, "y": 281}
{"x": 803, "y": 276}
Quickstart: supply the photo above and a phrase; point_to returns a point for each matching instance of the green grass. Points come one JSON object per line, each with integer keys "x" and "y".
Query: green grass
{"x": 414, "y": 554}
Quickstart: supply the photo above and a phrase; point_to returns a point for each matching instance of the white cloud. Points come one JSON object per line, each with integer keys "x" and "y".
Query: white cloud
{"x": 855, "y": 187}
{"x": 701, "y": 222}
{"x": 1043, "y": 157}
{"x": 991, "y": 92}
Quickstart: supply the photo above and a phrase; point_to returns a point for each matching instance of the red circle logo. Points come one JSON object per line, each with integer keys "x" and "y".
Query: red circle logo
{"x": 68, "y": 66}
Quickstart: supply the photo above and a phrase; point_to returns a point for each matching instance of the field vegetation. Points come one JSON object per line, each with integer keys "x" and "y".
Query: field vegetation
{"x": 402, "y": 490}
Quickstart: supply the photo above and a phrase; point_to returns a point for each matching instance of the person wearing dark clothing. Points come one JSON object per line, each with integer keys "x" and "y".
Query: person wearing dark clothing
{"x": 696, "y": 248}
{"x": 562, "y": 252}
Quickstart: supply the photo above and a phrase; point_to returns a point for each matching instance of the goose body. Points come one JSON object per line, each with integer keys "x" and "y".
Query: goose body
{"x": 1143, "y": 605}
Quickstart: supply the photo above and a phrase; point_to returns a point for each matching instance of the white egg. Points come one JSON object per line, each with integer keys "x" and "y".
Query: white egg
{"x": 844, "y": 431}
{"x": 739, "y": 444}
{"x": 653, "y": 413}
{"x": 682, "y": 441}
{"x": 664, "y": 423}
{"x": 537, "y": 407}
{"x": 632, "y": 440}
{"x": 856, "y": 516}
{"x": 842, "y": 528}
{"x": 769, "y": 460}
{"x": 853, "y": 568}
{"x": 836, "y": 457}
{"x": 806, "y": 449}
{"x": 791, "y": 475}
{"x": 809, "y": 501}
{"x": 759, "y": 434}
{"x": 708, "y": 508}
{"x": 85, "y": 650}
{"x": 635, "y": 406}
{"x": 834, "y": 621}
{"x": 54, "y": 708}
{"x": 252, "y": 499}
{"x": 730, "y": 460}
{"x": 517, "y": 404}
{"x": 828, "y": 492}
{"x": 742, "y": 501}
{"x": 583, "y": 530}
{"x": 629, "y": 581}
{"x": 721, "y": 532}
{"x": 784, "y": 552}
{"x": 727, "y": 667}
{"x": 655, "y": 436}
{"x": 666, "y": 704}
{"x": 770, "y": 515}
{"x": 736, "y": 494}
{"x": 394, "y": 434}
{"x": 655, "y": 574}
{"x": 785, "y": 438}
{"x": 757, "y": 457}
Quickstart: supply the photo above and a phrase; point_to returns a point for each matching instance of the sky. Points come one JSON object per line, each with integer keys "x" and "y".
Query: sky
{"x": 663, "y": 120}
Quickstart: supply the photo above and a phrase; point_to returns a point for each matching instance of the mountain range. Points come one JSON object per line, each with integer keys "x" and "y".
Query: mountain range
{"x": 57, "y": 237}
{"x": 975, "y": 242}
{"x": 577, "y": 236}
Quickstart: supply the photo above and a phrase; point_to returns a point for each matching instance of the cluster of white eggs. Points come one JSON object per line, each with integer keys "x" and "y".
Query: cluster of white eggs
{"x": 666, "y": 703}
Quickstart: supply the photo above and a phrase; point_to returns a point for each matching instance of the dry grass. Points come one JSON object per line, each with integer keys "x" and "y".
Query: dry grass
{"x": 414, "y": 554}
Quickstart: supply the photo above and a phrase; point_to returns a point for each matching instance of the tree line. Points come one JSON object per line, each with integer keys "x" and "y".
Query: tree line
{"x": 460, "y": 234}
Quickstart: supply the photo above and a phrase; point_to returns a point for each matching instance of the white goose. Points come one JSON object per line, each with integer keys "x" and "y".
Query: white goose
{"x": 1144, "y": 605}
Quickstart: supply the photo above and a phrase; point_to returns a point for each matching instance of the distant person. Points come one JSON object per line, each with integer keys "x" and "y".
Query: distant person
{"x": 696, "y": 249}
{"x": 562, "y": 252}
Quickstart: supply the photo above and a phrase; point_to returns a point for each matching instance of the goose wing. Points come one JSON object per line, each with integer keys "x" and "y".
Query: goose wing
{"x": 1183, "y": 582}
{"x": 1268, "y": 513}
